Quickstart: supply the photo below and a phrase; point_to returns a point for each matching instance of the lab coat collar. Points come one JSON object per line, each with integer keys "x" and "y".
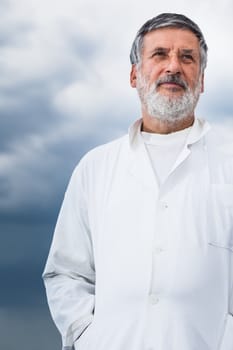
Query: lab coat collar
{"x": 140, "y": 165}
{"x": 199, "y": 128}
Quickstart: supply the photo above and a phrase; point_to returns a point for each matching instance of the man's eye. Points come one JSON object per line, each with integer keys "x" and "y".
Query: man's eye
{"x": 187, "y": 57}
{"x": 159, "y": 54}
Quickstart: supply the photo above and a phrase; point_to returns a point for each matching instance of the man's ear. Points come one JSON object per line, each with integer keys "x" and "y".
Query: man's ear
{"x": 133, "y": 76}
{"x": 202, "y": 82}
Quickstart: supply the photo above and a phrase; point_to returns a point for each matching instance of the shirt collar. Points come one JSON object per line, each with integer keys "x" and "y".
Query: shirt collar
{"x": 199, "y": 128}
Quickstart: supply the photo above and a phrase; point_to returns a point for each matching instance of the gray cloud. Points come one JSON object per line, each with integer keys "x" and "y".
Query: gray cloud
{"x": 22, "y": 287}
{"x": 32, "y": 329}
{"x": 15, "y": 34}
{"x": 31, "y": 113}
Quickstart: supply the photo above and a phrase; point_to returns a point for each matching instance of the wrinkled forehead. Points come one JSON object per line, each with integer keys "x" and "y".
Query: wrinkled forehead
{"x": 169, "y": 37}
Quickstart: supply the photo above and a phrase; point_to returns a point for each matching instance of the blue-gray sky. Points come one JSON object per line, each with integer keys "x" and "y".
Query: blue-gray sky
{"x": 64, "y": 88}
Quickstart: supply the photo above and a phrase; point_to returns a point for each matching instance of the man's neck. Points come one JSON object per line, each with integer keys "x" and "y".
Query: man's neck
{"x": 155, "y": 125}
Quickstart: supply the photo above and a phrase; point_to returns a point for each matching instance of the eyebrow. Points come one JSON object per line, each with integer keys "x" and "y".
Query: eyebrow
{"x": 163, "y": 49}
{"x": 159, "y": 49}
{"x": 188, "y": 51}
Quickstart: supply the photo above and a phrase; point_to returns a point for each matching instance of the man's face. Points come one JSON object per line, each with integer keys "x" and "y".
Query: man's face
{"x": 169, "y": 71}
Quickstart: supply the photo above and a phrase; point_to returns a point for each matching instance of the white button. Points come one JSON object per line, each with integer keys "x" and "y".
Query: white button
{"x": 163, "y": 205}
{"x": 154, "y": 299}
{"x": 158, "y": 250}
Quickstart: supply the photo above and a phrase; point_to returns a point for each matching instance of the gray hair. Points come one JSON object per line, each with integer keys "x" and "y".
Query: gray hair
{"x": 168, "y": 20}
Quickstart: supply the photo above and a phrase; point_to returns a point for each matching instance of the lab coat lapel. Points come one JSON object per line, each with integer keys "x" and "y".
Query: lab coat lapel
{"x": 140, "y": 165}
{"x": 199, "y": 129}
{"x": 181, "y": 158}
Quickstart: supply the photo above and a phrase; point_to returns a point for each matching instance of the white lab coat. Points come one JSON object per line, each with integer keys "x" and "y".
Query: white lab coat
{"x": 136, "y": 267}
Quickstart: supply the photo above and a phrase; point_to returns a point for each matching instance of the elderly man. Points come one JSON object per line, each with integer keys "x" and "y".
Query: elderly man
{"x": 142, "y": 255}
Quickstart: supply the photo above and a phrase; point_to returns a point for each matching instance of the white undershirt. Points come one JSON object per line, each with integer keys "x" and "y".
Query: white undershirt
{"x": 163, "y": 150}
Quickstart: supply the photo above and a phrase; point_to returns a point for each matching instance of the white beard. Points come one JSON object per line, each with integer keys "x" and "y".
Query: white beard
{"x": 166, "y": 108}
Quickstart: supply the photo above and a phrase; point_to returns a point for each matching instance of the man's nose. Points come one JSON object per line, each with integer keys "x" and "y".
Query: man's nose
{"x": 173, "y": 65}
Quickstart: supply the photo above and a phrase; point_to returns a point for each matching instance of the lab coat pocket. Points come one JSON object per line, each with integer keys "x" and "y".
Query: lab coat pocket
{"x": 227, "y": 338}
{"x": 221, "y": 245}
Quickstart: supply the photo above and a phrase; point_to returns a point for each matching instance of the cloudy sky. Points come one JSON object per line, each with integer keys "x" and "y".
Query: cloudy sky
{"x": 64, "y": 88}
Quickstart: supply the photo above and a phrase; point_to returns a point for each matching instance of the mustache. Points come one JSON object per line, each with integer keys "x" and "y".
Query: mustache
{"x": 175, "y": 79}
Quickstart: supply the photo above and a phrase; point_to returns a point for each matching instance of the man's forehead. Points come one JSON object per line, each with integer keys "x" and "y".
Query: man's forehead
{"x": 166, "y": 36}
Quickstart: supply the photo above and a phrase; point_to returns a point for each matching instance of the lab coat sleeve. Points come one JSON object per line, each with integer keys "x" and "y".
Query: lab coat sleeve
{"x": 231, "y": 283}
{"x": 227, "y": 340}
{"x": 69, "y": 274}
